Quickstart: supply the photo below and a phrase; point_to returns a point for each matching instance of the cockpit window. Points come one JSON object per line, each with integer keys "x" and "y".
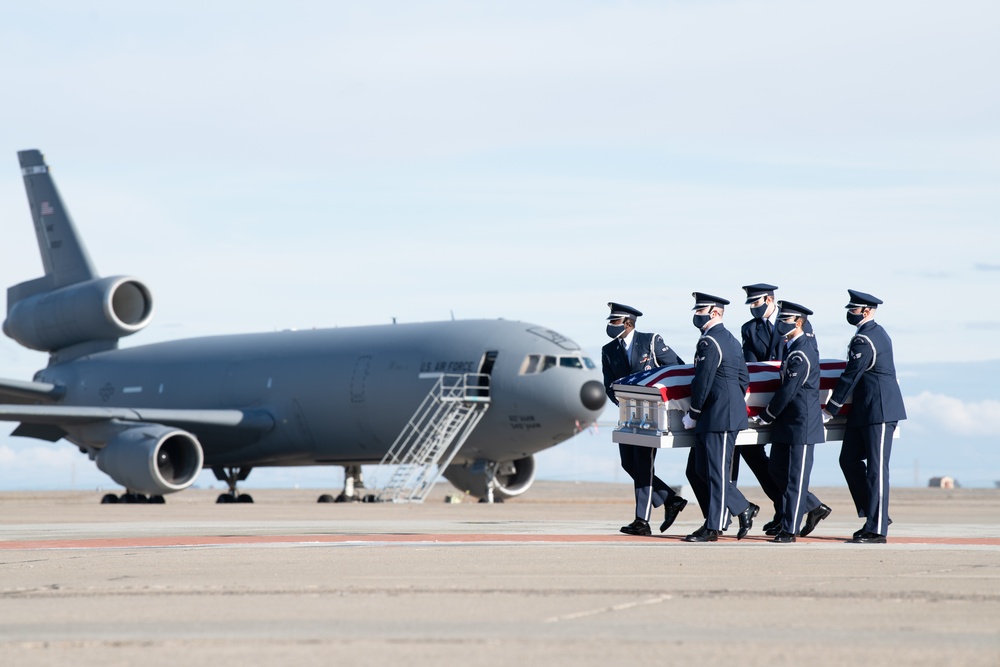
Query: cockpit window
{"x": 539, "y": 363}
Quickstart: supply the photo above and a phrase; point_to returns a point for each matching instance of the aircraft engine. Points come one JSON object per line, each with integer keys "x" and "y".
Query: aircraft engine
{"x": 152, "y": 459}
{"x": 510, "y": 478}
{"x": 101, "y": 309}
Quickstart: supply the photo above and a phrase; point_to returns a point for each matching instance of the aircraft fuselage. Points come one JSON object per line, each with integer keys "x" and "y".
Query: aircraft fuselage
{"x": 343, "y": 395}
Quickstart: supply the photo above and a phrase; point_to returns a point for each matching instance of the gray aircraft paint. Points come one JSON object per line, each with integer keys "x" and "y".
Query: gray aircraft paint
{"x": 310, "y": 397}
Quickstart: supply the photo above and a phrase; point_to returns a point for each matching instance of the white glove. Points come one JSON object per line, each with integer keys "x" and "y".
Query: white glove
{"x": 826, "y": 416}
{"x": 687, "y": 421}
{"x": 756, "y": 422}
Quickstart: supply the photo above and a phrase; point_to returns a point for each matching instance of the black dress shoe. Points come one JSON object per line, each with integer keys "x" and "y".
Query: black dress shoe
{"x": 703, "y": 534}
{"x": 858, "y": 532}
{"x": 773, "y": 525}
{"x": 773, "y": 530}
{"x": 869, "y": 538}
{"x": 671, "y": 509}
{"x": 701, "y": 529}
{"x": 783, "y": 538}
{"x": 813, "y": 517}
{"x": 637, "y": 527}
{"x": 746, "y": 520}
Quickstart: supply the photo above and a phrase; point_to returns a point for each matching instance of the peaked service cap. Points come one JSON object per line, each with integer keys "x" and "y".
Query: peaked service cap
{"x": 758, "y": 290}
{"x": 862, "y": 300}
{"x": 701, "y": 299}
{"x": 789, "y": 309}
{"x": 621, "y": 310}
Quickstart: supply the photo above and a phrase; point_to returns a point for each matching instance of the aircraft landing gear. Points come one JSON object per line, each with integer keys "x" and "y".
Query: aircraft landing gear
{"x": 232, "y": 476}
{"x": 131, "y": 498}
{"x": 491, "y": 476}
{"x": 352, "y": 482}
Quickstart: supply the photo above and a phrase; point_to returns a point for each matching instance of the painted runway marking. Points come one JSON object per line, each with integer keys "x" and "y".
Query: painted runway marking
{"x": 432, "y": 539}
{"x": 605, "y": 610}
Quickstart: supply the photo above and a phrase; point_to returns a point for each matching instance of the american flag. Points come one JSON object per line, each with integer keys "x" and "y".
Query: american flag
{"x": 47, "y": 208}
{"x": 674, "y": 384}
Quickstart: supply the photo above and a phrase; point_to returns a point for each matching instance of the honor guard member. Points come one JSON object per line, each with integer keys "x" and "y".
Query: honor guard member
{"x": 796, "y": 424}
{"x": 718, "y": 412}
{"x": 869, "y": 380}
{"x": 631, "y": 352}
{"x": 761, "y": 343}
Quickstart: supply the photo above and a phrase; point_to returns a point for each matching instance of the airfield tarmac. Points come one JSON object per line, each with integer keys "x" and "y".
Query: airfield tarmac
{"x": 542, "y": 579}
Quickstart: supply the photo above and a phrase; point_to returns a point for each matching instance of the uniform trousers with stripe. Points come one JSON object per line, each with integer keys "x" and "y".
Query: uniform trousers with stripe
{"x": 713, "y": 465}
{"x": 790, "y": 467}
{"x": 650, "y": 490}
{"x": 757, "y": 461}
{"x": 864, "y": 458}
{"x": 698, "y": 485}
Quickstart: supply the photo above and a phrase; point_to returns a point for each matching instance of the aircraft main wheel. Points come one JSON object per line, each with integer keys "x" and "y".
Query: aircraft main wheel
{"x": 134, "y": 498}
{"x": 224, "y": 499}
{"x": 325, "y": 498}
{"x": 244, "y": 498}
{"x": 157, "y": 500}
{"x": 109, "y": 499}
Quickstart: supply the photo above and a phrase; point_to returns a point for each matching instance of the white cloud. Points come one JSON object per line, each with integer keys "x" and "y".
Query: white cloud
{"x": 964, "y": 418}
{"x": 32, "y": 464}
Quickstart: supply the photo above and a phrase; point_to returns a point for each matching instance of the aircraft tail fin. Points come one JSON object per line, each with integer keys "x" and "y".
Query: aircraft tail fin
{"x": 69, "y": 311}
{"x": 64, "y": 256}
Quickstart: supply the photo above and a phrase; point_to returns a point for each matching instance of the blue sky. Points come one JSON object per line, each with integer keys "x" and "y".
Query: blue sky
{"x": 272, "y": 165}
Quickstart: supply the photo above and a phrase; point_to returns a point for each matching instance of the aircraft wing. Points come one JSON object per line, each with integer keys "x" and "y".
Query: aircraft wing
{"x": 20, "y": 391}
{"x": 45, "y": 421}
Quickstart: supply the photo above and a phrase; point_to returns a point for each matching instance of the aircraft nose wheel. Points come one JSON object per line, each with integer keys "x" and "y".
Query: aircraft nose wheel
{"x": 226, "y": 498}
{"x": 232, "y": 476}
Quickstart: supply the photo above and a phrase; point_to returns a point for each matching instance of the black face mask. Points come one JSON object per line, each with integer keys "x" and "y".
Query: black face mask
{"x": 615, "y": 330}
{"x": 854, "y": 319}
{"x": 700, "y": 321}
{"x": 784, "y": 328}
{"x": 758, "y": 312}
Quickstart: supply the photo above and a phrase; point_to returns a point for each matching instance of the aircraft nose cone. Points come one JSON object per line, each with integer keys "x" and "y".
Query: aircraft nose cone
{"x": 593, "y": 396}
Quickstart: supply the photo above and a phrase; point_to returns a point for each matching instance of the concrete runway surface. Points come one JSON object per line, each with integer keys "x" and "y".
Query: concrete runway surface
{"x": 542, "y": 579}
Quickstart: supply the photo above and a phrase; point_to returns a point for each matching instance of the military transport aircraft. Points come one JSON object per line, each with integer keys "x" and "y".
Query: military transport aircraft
{"x": 153, "y": 416}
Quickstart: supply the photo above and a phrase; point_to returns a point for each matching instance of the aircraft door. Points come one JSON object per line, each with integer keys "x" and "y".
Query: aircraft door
{"x": 366, "y": 438}
{"x": 359, "y": 378}
{"x": 486, "y": 368}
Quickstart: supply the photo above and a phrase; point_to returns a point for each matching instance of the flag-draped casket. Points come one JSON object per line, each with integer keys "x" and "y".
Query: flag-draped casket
{"x": 652, "y": 403}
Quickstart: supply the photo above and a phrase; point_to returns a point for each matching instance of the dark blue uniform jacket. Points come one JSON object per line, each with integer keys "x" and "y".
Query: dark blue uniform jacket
{"x": 648, "y": 351}
{"x": 795, "y": 408}
{"x": 869, "y": 380}
{"x": 762, "y": 343}
{"x": 720, "y": 383}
